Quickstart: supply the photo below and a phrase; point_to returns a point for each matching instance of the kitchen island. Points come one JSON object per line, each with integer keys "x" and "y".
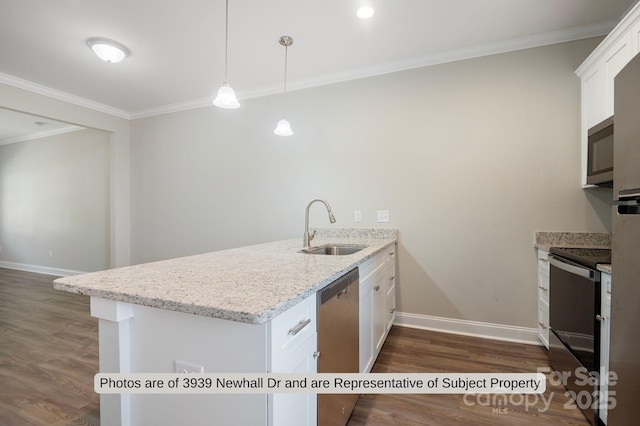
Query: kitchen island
{"x": 226, "y": 311}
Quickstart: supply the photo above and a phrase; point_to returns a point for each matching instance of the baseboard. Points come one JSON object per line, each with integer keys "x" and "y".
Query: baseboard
{"x": 39, "y": 269}
{"x": 469, "y": 328}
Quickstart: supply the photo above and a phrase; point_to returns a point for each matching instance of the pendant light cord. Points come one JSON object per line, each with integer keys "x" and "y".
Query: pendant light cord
{"x": 226, "y": 39}
{"x": 284, "y": 112}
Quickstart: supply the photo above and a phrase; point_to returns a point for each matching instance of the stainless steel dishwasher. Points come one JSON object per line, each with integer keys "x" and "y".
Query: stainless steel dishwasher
{"x": 338, "y": 344}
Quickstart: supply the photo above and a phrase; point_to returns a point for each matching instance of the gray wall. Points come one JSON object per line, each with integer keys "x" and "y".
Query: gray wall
{"x": 470, "y": 158}
{"x": 54, "y": 196}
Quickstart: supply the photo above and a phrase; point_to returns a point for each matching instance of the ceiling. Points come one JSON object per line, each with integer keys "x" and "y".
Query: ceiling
{"x": 177, "y": 47}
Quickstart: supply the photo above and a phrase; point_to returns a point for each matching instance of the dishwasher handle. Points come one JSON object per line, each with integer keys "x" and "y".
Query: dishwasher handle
{"x": 571, "y": 268}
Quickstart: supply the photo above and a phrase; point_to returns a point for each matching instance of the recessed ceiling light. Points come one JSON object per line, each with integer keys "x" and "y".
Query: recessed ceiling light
{"x": 108, "y": 50}
{"x": 365, "y": 12}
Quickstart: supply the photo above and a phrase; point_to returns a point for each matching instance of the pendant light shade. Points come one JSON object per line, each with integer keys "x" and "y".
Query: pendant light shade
{"x": 284, "y": 128}
{"x": 226, "y": 95}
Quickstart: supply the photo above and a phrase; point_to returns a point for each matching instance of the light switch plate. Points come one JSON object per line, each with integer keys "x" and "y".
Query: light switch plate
{"x": 383, "y": 215}
{"x": 357, "y": 216}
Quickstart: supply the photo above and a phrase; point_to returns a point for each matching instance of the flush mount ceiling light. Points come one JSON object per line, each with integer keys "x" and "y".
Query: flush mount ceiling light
{"x": 365, "y": 12}
{"x": 108, "y": 50}
{"x": 284, "y": 128}
{"x": 226, "y": 95}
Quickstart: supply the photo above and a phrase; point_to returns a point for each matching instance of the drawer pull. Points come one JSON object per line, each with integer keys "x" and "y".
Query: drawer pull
{"x": 392, "y": 253}
{"x": 392, "y": 310}
{"x": 600, "y": 317}
{"x": 376, "y": 288}
{"x": 298, "y": 328}
{"x": 544, "y": 260}
{"x": 392, "y": 278}
{"x": 316, "y": 354}
{"x": 542, "y": 325}
{"x": 543, "y": 288}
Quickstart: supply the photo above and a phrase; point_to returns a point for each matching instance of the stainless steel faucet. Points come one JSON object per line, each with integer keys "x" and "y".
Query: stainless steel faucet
{"x": 306, "y": 240}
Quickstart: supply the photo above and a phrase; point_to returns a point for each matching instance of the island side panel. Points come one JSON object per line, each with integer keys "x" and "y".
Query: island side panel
{"x": 113, "y": 340}
{"x": 158, "y": 337}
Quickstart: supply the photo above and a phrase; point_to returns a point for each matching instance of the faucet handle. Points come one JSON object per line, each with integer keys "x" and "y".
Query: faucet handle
{"x": 313, "y": 235}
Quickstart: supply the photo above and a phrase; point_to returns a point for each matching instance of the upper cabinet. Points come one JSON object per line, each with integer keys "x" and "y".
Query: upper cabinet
{"x": 597, "y": 75}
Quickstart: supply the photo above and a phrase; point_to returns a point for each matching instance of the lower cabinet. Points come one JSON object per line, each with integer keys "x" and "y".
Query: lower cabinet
{"x": 294, "y": 344}
{"x": 377, "y": 304}
{"x": 296, "y": 409}
{"x": 605, "y": 333}
{"x": 543, "y": 297}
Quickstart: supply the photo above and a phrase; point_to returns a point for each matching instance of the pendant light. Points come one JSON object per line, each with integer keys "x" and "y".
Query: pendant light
{"x": 284, "y": 128}
{"x": 226, "y": 95}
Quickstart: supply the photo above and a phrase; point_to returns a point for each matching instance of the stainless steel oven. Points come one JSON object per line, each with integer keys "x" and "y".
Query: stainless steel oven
{"x": 574, "y": 317}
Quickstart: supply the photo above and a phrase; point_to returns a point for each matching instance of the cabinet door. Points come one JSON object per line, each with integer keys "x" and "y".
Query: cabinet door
{"x": 543, "y": 297}
{"x": 605, "y": 333}
{"x": 296, "y": 409}
{"x": 617, "y": 57}
{"x": 366, "y": 328}
{"x": 594, "y": 108}
{"x": 379, "y": 326}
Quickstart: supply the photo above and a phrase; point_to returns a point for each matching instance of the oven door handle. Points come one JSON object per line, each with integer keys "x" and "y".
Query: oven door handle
{"x": 589, "y": 274}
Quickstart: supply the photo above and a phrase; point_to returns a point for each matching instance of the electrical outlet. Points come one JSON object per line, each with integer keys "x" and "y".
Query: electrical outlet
{"x": 187, "y": 367}
{"x": 357, "y": 216}
{"x": 383, "y": 215}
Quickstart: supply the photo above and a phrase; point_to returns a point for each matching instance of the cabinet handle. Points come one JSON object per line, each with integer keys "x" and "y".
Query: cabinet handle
{"x": 392, "y": 253}
{"x": 600, "y": 317}
{"x": 542, "y": 325}
{"x": 608, "y": 291}
{"x": 544, "y": 260}
{"x": 392, "y": 278}
{"x": 316, "y": 354}
{"x": 392, "y": 310}
{"x": 376, "y": 288}
{"x": 298, "y": 328}
{"x": 543, "y": 288}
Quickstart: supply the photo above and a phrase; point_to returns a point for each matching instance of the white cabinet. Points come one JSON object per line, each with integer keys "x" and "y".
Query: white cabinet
{"x": 377, "y": 304}
{"x": 543, "y": 297}
{"x": 598, "y": 71}
{"x": 605, "y": 333}
{"x": 293, "y": 350}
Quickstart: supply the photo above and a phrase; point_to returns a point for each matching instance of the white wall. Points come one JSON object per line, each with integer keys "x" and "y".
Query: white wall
{"x": 54, "y": 202}
{"x": 35, "y": 99}
{"x": 470, "y": 158}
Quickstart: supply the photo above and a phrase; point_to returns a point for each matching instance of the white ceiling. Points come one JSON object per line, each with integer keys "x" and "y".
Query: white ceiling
{"x": 177, "y": 47}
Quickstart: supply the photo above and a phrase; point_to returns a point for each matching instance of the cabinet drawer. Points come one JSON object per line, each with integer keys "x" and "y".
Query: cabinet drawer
{"x": 370, "y": 266}
{"x": 291, "y": 329}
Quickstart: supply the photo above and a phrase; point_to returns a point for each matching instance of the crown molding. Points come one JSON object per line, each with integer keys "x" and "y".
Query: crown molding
{"x": 503, "y": 46}
{"x": 62, "y": 96}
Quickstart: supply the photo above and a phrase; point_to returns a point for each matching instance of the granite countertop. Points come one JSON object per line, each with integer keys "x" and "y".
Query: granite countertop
{"x": 604, "y": 267}
{"x": 546, "y": 240}
{"x": 248, "y": 284}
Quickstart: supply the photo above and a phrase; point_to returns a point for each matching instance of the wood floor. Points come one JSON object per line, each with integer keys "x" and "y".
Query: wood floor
{"x": 419, "y": 351}
{"x": 49, "y": 354}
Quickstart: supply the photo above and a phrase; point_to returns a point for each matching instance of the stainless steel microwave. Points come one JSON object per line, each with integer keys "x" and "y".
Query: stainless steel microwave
{"x": 600, "y": 154}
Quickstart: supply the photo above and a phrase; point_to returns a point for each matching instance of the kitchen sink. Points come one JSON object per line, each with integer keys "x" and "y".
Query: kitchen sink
{"x": 334, "y": 249}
